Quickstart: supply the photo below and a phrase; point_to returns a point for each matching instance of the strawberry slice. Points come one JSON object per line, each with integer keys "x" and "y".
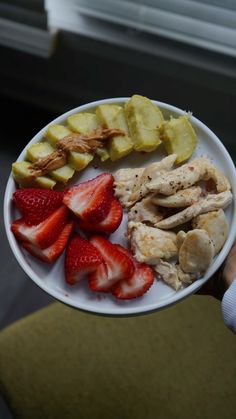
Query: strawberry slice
{"x": 44, "y": 234}
{"x": 52, "y": 253}
{"x": 116, "y": 266}
{"x": 138, "y": 284}
{"x": 111, "y": 222}
{"x": 81, "y": 258}
{"x": 35, "y": 204}
{"x": 91, "y": 200}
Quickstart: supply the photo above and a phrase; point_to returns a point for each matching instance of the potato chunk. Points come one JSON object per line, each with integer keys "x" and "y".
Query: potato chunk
{"x": 79, "y": 160}
{"x": 83, "y": 123}
{"x": 143, "y": 119}
{"x": 21, "y": 174}
{"x": 55, "y": 133}
{"x": 179, "y": 137}
{"x": 43, "y": 149}
{"x": 112, "y": 116}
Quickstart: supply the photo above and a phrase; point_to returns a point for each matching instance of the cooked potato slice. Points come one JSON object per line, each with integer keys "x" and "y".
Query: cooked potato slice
{"x": 179, "y": 137}
{"x": 55, "y": 133}
{"x": 62, "y": 174}
{"x": 79, "y": 160}
{"x": 83, "y": 122}
{"x": 143, "y": 119}
{"x": 112, "y": 116}
{"x": 38, "y": 151}
{"x": 102, "y": 152}
{"x": 21, "y": 174}
{"x": 43, "y": 149}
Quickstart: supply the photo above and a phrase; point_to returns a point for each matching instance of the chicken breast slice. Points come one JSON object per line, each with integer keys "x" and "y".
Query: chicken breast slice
{"x": 196, "y": 252}
{"x": 150, "y": 244}
{"x": 180, "y": 199}
{"x": 216, "y": 225}
{"x": 146, "y": 211}
{"x": 125, "y": 182}
{"x": 151, "y": 172}
{"x": 210, "y": 203}
{"x": 187, "y": 175}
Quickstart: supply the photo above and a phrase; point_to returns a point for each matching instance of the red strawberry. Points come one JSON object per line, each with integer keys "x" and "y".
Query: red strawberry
{"x": 116, "y": 266}
{"x": 44, "y": 234}
{"x": 91, "y": 200}
{"x": 36, "y": 205}
{"x": 81, "y": 258}
{"x": 137, "y": 284}
{"x": 53, "y": 252}
{"x": 111, "y": 222}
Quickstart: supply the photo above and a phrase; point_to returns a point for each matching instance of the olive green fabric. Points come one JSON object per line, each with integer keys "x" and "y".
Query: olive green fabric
{"x": 176, "y": 363}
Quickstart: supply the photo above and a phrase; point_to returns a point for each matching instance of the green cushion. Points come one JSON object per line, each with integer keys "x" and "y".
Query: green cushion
{"x": 176, "y": 363}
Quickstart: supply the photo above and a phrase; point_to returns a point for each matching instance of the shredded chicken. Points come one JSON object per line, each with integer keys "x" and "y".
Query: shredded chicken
{"x": 180, "y": 199}
{"x": 210, "y": 203}
{"x": 187, "y": 175}
{"x": 150, "y": 244}
{"x": 72, "y": 142}
{"x": 168, "y": 273}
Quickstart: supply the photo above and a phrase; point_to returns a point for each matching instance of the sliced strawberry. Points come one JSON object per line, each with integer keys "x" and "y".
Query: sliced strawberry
{"x": 36, "y": 205}
{"x": 137, "y": 284}
{"x": 116, "y": 266}
{"x": 44, "y": 234}
{"x": 81, "y": 258}
{"x": 52, "y": 253}
{"x": 91, "y": 200}
{"x": 111, "y": 222}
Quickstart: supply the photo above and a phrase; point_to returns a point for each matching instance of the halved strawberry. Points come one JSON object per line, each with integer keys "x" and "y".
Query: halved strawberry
{"x": 44, "y": 234}
{"x": 111, "y": 222}
{"x": 91, "y": 200}
{"x": 35, "y": 204}
{"x": 116, "y": 266}
{"x": 81, "y": 258}
{"x": 137, "y": 284}
{"x": 51, "y": 253}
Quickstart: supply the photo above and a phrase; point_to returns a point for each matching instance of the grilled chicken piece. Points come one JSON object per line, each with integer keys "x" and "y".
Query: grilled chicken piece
{"x": 149, "y": 174}
{"x": 216, "y": 225}
{"x": 210, "y": 203}
{"x": 187, "y": 175}
{"x": 184, "y": 277}
{"x": 150, "y": 244}
{"x": 146, "y": 211}
{"x": 125, "y": 182}
{"x": 196, "y": 252}
{"x": 180, "y": 199}
{"x": 168, "y": 273}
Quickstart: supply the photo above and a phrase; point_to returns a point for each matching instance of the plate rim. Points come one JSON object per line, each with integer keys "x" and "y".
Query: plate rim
{"x": 118, "y": 311}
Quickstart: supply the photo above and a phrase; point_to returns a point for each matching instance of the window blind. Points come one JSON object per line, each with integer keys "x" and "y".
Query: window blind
{"x": 207, "y": 24}
{"x": 23, "y": 26}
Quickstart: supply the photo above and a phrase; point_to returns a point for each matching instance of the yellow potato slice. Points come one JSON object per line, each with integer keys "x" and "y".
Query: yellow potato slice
{"x": 143, "y": 119}
{"x": 112, "y": 116}
{"x": 179, "y": 138}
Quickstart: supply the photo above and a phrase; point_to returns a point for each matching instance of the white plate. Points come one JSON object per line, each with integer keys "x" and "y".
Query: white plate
{"x": 51, "y": 277}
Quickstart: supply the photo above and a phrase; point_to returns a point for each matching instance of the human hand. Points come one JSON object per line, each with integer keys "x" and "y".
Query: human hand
{"x": 223, "y": 278}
